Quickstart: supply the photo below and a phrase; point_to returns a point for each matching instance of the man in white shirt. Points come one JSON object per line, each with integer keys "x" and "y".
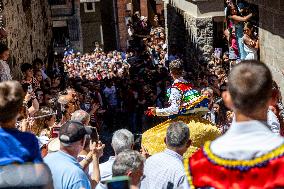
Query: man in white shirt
{"x": 248, "y": 150}
{"x": 165, "y": 170}
{"x": 110, "y": 94}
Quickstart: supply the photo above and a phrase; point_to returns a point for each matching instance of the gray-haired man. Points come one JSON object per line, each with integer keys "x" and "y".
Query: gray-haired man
{"x": 128, "y": 163}
{"x": 81, "y": 116}
{"x": 122, "y": 140}
{"x": 165, "y": 170}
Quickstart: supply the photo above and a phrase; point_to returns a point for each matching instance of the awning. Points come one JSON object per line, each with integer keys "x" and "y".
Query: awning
{"x": 89, "y": 1}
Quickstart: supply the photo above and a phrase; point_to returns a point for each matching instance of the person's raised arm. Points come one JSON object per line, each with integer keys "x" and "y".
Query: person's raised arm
{"x": 97, "y": 151}
{"x": 34, "y": 108}
{"x": 240, "y": 18}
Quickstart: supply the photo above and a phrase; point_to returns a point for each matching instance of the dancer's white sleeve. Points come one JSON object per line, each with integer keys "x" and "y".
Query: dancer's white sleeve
{"x": 175, "y": 100}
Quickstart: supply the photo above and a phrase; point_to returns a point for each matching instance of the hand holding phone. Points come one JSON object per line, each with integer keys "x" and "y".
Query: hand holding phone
{"x": 97, "y": 148}
{"x": 121, "y": 182}
{"x": 30, "y": 89}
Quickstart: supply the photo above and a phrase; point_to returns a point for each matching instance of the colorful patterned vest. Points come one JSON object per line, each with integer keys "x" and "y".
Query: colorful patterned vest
{"x": 192, "y": 101}
{"x": 206, "y": 170}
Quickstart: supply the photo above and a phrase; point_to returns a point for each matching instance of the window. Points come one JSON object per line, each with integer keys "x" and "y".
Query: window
{"x": 89, "y": 7}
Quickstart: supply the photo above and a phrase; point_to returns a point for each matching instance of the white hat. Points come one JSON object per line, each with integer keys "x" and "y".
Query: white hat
{"x": 54, "y": 145}
{"x": 42, "y": 140}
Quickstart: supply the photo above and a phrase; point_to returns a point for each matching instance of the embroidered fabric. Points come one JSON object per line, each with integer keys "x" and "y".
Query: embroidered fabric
{"x": 183, "y": 99}
{"x": 5, "y": 74}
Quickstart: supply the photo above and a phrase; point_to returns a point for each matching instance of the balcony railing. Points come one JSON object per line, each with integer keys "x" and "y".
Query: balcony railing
{"x": 57, "y": 2}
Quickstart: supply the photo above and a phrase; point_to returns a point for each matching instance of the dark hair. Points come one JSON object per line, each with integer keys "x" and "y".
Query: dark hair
{"x": 250, "y": 86}
{"x": 37, "y": 61}
{"x": 25, "y": 67}
{"x": 3, "y": 48}
{"x": 176, "y": 67}
{"x": 11, "y": 100}
{"x": 249, "y": 26}
{"x": 228, "y": 11}
{"x": 177, "y": 134}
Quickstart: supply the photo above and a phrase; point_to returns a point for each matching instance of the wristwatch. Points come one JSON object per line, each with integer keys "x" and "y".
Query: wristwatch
{"x": 89, "y": 160}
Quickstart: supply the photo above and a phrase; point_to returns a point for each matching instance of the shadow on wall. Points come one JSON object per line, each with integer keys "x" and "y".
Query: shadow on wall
{"x": 190, "y": 37}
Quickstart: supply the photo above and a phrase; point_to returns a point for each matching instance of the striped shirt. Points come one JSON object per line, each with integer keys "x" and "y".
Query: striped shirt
{"x": 164, "y": 170}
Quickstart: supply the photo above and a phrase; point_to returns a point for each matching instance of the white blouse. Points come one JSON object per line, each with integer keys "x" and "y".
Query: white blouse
{"x": 174, "y": 100}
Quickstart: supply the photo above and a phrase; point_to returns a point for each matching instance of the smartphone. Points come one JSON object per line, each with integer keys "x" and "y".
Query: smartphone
{"x": 30, "y": 89}
{"x": 87, "y": 106}
{"x": 121, "y": 182}
{"x": 94, "y": 135}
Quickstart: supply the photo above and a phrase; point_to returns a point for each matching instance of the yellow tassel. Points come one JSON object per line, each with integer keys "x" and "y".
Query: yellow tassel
{"x": 201, "y": 131}
{"x": 243, "y": 163}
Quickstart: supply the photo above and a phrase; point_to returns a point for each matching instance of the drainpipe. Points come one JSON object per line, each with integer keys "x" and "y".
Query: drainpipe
{"x": 114, "y": 2}
{"x": 166, "y": 2}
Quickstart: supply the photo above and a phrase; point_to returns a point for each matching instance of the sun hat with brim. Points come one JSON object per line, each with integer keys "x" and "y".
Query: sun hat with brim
{"x": 54, "y": 145}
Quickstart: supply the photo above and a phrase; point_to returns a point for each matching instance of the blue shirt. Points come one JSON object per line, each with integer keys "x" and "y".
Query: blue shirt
{"x": 18, "y": 147}
{"x": 66, "y": 171}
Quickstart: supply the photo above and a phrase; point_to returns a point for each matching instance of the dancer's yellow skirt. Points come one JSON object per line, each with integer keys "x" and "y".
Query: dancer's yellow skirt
{"x": 201, "y": 131}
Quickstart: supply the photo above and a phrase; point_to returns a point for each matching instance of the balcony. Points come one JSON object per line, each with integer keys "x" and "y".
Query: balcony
{"x": 57, "y": 2}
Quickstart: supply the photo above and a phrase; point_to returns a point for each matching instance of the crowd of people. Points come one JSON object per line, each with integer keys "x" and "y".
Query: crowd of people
{"x": 241, "y": 30}
{"x": 70, "y": 106}
{"x": 72, "y": 159}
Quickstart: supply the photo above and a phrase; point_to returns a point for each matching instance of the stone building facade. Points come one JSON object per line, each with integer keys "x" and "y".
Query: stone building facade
{"x": 191, "y": 28}
{"x": 77, "y": 23}
{"x": 91, "y": 24}
{"x": 125, "y": 8}
{"x": 66, "y": 24}
{"x": 29, "y": 31}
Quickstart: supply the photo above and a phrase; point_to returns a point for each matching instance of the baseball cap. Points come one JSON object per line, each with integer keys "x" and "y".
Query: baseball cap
{"x": 73, "y": 131}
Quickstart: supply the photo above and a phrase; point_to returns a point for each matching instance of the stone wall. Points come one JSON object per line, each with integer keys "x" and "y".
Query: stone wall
{"x": 191, "y": 35}
{"x": 271, "y": 34}
{"x": 29, "y": 31}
